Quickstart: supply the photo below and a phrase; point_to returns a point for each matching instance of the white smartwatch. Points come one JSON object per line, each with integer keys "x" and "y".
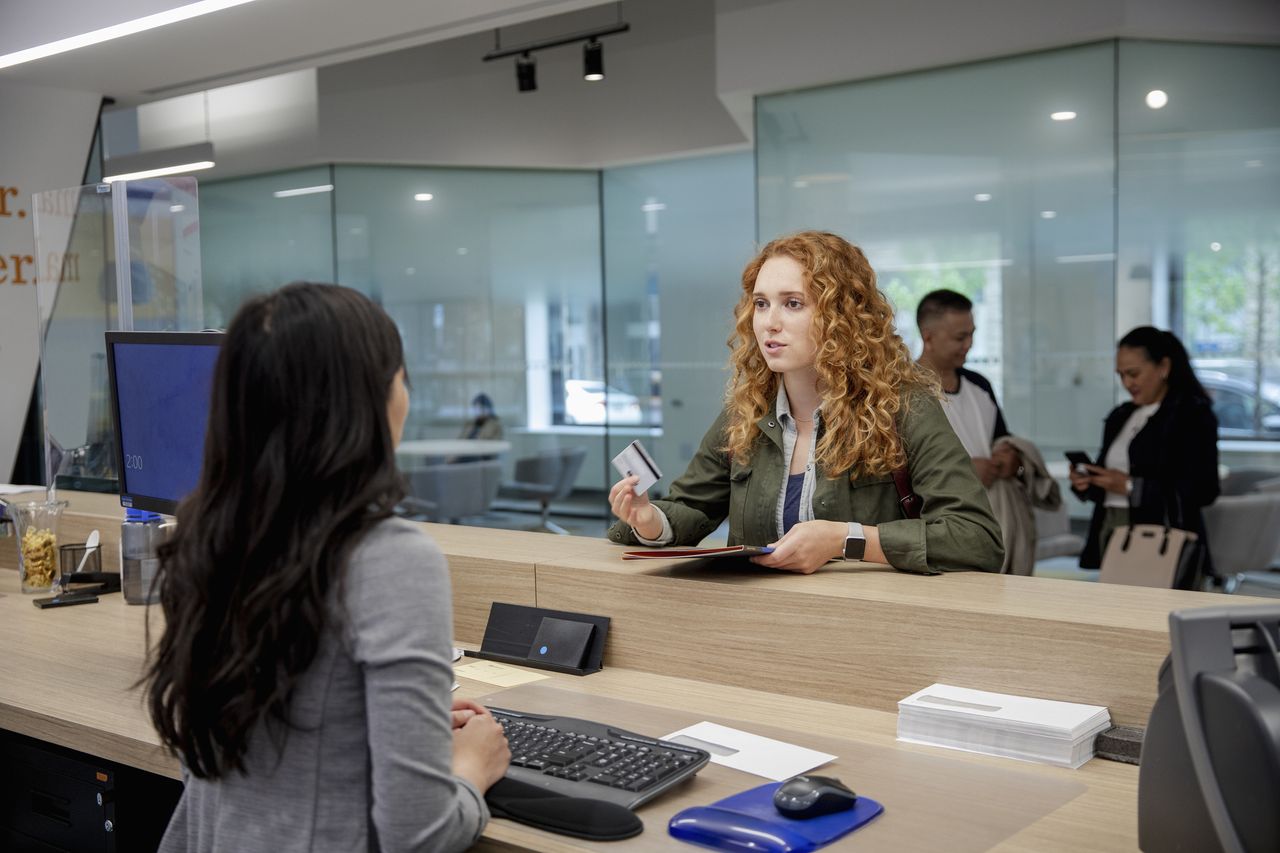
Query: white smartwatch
{"x": 855, "y": 542}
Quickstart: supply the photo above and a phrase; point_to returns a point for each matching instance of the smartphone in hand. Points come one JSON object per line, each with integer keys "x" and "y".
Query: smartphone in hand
{"x": 1079, "y": 459}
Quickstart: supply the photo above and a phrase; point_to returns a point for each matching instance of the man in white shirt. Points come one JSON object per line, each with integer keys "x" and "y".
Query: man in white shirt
{"x": 1011, "y": 468}
{"x": 945, "y": 320}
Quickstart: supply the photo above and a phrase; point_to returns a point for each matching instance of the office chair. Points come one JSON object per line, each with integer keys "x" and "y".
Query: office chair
{"x": 548, "y": 476}
{"x": 1244, "y": 538}
{"x": 454, "y": 490}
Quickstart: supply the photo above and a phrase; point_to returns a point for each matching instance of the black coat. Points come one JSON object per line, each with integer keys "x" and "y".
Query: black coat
{"x": 1174, "y": 465}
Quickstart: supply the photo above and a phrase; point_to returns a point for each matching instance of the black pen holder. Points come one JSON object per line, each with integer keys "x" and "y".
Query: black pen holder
{"x": 69, "y": 557}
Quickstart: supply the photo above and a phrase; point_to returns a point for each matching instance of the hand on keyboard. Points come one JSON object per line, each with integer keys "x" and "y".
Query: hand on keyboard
{"x": 480, "y": 753}
{"x": 465, "y": 709}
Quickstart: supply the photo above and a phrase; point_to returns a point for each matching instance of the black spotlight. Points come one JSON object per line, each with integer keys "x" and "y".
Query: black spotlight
{"x": 526, "y": 73}
{"x": 593, "y": 61}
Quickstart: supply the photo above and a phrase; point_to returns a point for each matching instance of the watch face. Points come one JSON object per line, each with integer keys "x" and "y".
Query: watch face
{"x": 854, "y": 548}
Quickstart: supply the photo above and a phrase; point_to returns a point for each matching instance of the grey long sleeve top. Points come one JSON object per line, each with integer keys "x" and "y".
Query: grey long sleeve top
{"x": 368, "y": 766}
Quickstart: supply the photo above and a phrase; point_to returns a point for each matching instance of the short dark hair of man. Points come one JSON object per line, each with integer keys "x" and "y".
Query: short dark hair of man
{"x": 939, "y": 302}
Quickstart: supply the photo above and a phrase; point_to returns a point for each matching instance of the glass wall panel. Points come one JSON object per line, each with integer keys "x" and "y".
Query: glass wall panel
{"x": 677, "y": 235}
{"x": 962, "y": 178}
{"x": 261, "y": 232}
{"x": 1199, "y": 228}
{"x": 79, "y": 234}
{"x": 76, "y": 296}
{"x": 494, "y": 279}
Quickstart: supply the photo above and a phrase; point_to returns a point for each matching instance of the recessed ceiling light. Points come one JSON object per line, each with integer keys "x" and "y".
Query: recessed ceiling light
{"x": 422, "y": 196}
{"x": 128, "y": 28}
{"x": 179, "y": 169}
{"x": 1062, "y": 115}
{"x": 982, "y": 197}
{"x": 177, "y": 208}
{"x": 319, "y": 188}
{"x": 1157, "y": 98}
{"x": 1048, "y": 214}
{"x": 1215, "y": 246}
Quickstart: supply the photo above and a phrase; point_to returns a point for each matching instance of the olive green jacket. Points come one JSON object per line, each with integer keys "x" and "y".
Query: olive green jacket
{"x": 956, "y": 529}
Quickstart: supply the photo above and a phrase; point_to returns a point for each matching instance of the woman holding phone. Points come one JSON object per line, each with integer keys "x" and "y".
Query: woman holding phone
{"x": 824, "y": 405}
{"x": 304, "y": 672}
{"x": 1159, "y": 457}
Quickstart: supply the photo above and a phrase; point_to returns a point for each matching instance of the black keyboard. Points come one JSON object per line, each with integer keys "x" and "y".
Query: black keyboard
{"x": 581, "y": 758}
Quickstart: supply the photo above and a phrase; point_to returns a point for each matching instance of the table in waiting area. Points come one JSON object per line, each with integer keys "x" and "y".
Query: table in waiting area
{"x": 444, "y": 448}
{"x": 818, "y": 660}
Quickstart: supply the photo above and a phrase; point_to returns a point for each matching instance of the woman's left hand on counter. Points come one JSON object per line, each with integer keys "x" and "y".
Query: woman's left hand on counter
{"x": 806, "y": 547}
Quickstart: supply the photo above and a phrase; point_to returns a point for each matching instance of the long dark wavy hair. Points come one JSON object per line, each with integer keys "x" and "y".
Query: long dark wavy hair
{"x": 1159, "y": 345}
{"x": 299, "y": 463}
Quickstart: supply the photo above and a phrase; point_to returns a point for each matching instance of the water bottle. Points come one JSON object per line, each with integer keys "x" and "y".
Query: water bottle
{"x": 140, "y": 538}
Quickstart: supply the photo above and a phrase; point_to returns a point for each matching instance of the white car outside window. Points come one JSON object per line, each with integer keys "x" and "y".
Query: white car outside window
{"x": 588, "y": 401}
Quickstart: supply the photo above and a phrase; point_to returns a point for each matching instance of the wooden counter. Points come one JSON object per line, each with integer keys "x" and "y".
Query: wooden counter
{"x": 821, "y": 659}
{"x": 873, "y": 635}
{"x": 68, "y": 676}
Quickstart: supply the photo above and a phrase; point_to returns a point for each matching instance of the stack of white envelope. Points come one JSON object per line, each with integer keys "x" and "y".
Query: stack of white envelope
{"x": 1040, "y": 730}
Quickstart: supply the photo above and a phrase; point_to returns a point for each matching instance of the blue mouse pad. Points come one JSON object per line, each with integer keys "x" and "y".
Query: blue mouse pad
{"x": 748, "y": 821}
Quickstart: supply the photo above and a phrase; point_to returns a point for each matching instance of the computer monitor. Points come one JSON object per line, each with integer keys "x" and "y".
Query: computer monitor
{"x": 160, "y": 388}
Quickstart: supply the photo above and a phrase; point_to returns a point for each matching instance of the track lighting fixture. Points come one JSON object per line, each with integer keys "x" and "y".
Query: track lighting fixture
{"x": 592, "y": 52}
{"x": 526, "y": 73}
{"x": 593, "y": 61}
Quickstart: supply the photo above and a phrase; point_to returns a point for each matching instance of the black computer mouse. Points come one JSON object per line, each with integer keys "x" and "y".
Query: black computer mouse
{"x": 812, "y": 796}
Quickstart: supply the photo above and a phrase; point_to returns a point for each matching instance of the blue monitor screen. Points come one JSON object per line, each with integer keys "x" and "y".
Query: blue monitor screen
{"x": 161, "y": 387}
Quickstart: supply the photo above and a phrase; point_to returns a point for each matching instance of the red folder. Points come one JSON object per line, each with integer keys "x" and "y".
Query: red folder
{"x": 686, "y": 553}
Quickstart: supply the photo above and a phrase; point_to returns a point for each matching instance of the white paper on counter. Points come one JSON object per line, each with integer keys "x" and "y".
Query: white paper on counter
{"x": 761, "y": 756}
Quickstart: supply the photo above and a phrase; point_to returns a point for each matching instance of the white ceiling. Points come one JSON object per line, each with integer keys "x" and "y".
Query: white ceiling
{"x": 245, "y": 42}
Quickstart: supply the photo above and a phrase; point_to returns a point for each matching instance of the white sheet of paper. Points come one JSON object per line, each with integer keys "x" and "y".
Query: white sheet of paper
{"x": 499, "y": 674}
{"x": 761, "y": 756}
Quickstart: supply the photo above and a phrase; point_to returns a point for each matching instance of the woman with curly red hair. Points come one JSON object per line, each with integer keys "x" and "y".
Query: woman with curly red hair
{"x": 825, "y": 404}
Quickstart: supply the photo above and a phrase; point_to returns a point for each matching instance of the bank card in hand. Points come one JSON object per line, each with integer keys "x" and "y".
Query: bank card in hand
{"x": 635, "y": 460}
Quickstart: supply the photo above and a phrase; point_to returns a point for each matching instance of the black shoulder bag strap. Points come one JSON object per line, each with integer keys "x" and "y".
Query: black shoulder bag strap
{"x": 907, "y": 498}
{"x": 910, "y": 502}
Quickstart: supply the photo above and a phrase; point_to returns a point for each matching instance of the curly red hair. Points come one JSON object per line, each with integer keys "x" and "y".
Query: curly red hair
{"x": 865, "y": 373}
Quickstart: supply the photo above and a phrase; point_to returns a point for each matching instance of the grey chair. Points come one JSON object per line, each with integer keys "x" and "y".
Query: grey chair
{"x": 1243, "y": 481}
{"x": 1053, "y": 534}
{"x": 546, "y": 477}
{"x": 449, "y": 491}
{"x": 1244, "y": 535}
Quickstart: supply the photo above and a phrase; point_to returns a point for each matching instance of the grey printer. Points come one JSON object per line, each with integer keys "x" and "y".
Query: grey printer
{"x": 1210, "y": 774}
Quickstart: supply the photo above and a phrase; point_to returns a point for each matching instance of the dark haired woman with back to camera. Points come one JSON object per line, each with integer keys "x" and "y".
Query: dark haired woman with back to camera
{"x": 824, "y": 404}
{"x": 304, "y": 673}
{"x": 1159, "y": 457}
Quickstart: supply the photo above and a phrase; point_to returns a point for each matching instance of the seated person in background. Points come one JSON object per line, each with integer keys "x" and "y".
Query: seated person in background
{"x": 823, "y": 405}
{"x": 1159, "y": 450}
{"x": 484, "y": 424}
{"x": 304, "y": 672}
{"x": 1010, "y": 467}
